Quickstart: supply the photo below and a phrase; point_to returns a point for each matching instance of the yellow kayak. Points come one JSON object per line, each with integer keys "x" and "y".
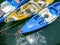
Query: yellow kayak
{"x": 28, "y": 9}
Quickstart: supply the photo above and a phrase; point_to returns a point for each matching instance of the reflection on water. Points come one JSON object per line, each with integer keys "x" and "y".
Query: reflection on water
{"x": 32, "y": 39}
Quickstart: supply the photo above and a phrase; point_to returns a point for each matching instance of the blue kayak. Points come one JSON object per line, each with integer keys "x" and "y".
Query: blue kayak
{"x": 9, "y": 6}
{"x": 42, "y": 19}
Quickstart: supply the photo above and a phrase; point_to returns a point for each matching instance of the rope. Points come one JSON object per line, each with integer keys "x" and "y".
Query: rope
{"x": 3, "y": 30}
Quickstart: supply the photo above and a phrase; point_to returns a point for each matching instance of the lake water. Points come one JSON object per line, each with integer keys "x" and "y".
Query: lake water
{"x": 49, "y": 35}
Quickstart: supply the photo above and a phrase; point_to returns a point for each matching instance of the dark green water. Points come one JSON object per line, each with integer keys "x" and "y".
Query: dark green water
{"x": 49, "y": 35}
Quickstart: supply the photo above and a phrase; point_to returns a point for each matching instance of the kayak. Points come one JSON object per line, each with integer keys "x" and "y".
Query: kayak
{"x": 28, "y": 10}
{"x": 42, "y": 19}
{"x": 9, "y": 6}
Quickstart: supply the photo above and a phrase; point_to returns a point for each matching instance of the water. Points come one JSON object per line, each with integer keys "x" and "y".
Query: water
{"x": 49, "y": 35}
